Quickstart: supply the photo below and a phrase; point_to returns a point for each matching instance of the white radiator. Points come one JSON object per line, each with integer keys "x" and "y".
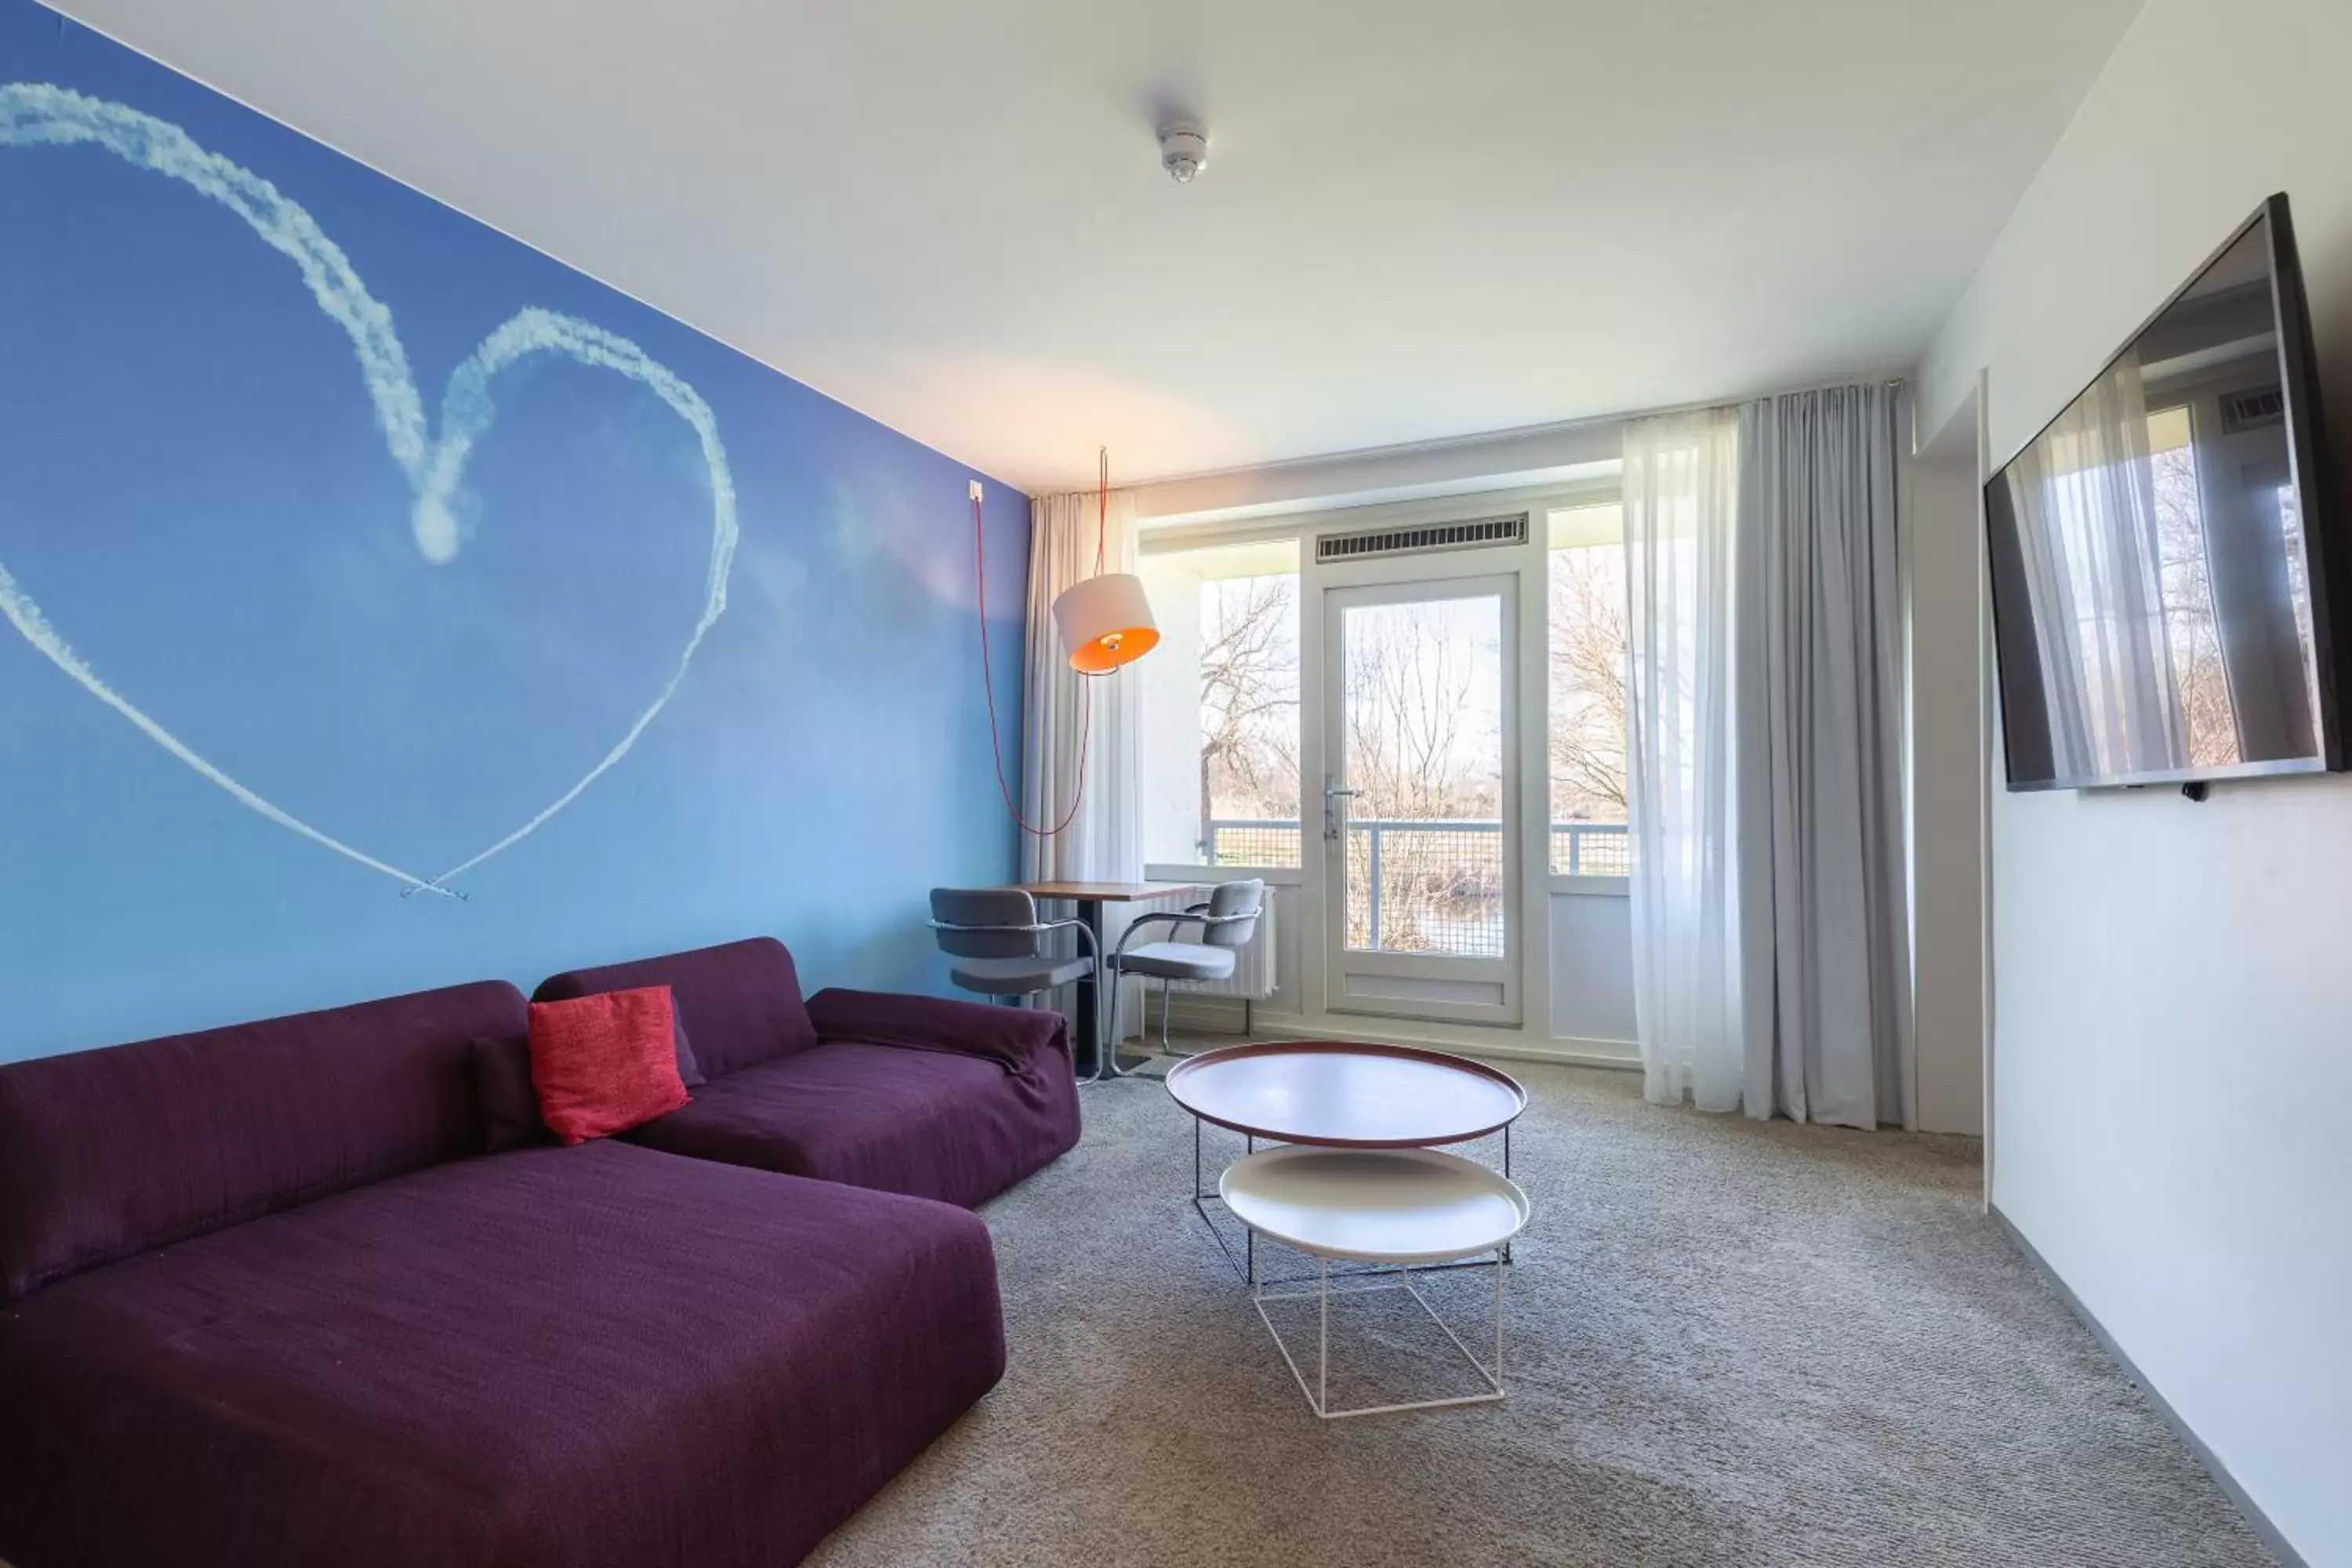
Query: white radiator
{"x": 1253, "y": 976}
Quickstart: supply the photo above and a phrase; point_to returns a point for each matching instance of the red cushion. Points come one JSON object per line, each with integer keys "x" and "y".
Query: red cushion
{"x": 604, "y": 1064}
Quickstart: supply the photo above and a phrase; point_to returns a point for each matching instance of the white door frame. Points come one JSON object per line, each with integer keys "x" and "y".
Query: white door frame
{"x": 1530, "y": 563}
{"x": 1435, "y": 576}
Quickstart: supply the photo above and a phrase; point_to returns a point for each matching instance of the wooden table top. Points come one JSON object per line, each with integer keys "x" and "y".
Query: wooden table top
{"x": 1109, "y": 892}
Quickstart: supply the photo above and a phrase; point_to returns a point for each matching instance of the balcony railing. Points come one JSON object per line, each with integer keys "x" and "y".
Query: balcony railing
{"x": 1578, "y": 848}
{"x": 1592, "y": 850}
{"x": 1423, "y": 886}
{"x": 1438, "y": 870}
{"x": 1268, "y": 841}
{"x": 1426, "y": 886}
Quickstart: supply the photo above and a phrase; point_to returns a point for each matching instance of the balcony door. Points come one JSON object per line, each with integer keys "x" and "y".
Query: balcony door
{"x": 1419, "y": 799}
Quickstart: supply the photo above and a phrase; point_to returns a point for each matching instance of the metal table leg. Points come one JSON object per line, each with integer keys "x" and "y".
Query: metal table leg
{"x": 1087, "y": 1007}
{"x": 1506, "y": 1246}
{"x": 1319, "y": 1399}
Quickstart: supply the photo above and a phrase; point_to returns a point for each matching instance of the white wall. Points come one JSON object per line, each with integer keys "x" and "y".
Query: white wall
{"x": 1592, "y": 974}
{"x": 1947, "y": 795}
{"x": 1169, "y": 814}
{"x": 1505, "y": 459}
{"x": 2172, "y": 1102}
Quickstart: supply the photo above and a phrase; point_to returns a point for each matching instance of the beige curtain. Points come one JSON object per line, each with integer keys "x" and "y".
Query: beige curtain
{"x": 1103, "y": 840}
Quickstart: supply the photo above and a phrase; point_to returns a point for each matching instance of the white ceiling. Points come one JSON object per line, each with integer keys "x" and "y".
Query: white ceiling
{"x": 1418, "y": 221}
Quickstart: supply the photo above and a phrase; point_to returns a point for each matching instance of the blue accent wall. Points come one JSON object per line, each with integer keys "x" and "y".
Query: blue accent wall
{"x": 341, "y": 538}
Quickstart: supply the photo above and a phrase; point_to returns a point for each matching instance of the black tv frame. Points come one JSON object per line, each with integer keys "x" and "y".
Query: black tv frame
{"x": 2327, "y": 556}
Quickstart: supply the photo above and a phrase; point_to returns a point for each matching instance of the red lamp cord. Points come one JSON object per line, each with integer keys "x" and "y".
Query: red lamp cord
{"x": 987, "y": 677}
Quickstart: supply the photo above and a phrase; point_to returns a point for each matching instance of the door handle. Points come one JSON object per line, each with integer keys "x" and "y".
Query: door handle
{"x": 1332, "y": 796}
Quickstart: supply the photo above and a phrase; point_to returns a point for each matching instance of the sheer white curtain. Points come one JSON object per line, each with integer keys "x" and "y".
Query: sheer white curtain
{"x": 2085, "y": 503}
{"x": 1763, "y": 749}
{"x": 1681, "y": 479}
{"x": 1103, "y": 840}
{"x": 1824, "y": 909}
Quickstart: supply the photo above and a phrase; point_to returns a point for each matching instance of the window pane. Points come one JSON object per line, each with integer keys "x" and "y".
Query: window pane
{"x": 1588, "y": 693}
{"x": 2186, "y": 589}
{"x": 1219, "y": 744}
{"x": 1424, "y": 686}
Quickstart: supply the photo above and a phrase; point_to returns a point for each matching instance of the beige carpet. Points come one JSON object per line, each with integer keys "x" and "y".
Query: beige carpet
{"x": 1731, "y": 1344}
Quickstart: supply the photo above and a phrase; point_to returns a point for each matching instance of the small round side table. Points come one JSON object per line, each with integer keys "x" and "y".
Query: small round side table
{"x": 1403, "y": 1208}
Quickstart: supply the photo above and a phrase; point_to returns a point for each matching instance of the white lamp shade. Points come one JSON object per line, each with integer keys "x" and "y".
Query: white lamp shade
{"x": 1104, "y": 621}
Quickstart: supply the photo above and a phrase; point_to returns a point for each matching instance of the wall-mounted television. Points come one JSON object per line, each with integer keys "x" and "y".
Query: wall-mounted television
{"x": 2167, "y": 582}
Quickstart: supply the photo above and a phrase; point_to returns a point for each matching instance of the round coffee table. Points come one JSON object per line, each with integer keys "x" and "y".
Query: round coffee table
{"x": 1405, "y": 1208}
{"x": 1345, "y": 1095}
{"x": 1336, "y": 1094}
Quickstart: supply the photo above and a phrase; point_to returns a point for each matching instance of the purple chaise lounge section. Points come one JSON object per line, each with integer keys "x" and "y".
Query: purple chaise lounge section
{"x": 263, "y": 1304}
{"x": 952, "y": 1100}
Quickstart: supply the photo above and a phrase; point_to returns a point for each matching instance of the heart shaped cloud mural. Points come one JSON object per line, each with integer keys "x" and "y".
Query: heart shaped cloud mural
{"x": 193, "y": 536}
{"x": 34, "y": 114}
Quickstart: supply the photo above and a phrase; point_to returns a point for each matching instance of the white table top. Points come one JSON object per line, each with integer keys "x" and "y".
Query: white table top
{"x": 1375, "y": 1205}
{"x": 1347, "y": 1096}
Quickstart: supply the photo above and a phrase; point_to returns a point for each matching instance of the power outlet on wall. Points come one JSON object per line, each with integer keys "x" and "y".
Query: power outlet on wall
{"x": 975, "y": 490}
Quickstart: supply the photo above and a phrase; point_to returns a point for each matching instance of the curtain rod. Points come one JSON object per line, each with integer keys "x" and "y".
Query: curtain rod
{"x": 1516, "y": 433}
{"x": 1710, "y": 404}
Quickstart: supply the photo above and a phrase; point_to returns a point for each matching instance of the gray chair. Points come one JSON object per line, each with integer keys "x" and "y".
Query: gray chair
{"x": 1000, "y": 946}
{"x": 1227, "y": 922}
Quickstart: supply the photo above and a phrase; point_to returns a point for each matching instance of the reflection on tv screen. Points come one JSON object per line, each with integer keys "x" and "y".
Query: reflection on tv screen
{"x": 2150, "y": 578}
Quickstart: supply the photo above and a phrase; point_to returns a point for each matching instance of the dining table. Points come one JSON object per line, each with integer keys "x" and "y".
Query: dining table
{"x": 1090, "y": 899}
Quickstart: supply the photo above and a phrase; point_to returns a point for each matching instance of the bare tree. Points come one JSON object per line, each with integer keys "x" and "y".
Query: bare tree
{"x": 1409, "y": 692}
{"x": 1421, "y": 748}
{"x": 1588, "y": 684}
{"x": 1249, "y": 696}
{"x": 2189, "y": 627}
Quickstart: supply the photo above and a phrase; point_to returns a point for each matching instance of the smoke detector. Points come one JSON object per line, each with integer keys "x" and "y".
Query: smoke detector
{"x": 1184, "y": 149}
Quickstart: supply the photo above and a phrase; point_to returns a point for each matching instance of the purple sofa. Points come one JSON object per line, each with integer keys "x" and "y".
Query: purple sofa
{"x": 952, "y": 1100}
{"x": 263, "y": 1302}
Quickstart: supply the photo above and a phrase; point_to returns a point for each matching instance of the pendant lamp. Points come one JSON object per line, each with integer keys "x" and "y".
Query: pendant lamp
{"x": 1105, "y": 620}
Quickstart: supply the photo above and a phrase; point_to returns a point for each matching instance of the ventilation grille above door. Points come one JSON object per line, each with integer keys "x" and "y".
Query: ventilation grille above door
{"x": 1475, "y": 534}
{"x": 2243, "y": 411}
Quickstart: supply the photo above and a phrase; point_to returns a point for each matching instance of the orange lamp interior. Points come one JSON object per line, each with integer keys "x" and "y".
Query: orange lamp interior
{"x": 1111, "y": 650}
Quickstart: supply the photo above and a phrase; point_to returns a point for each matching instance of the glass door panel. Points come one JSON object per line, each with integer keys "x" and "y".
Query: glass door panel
{"x": 1417, "y": 830}
{"x": 1424, "y": 757}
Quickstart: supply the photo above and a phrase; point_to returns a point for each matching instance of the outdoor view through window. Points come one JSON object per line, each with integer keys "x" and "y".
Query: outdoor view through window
{"x": 1423, "y": 689}
{"x": 1220, "y": 749}
{"x": 1422, "y": 723}
{"x": 1588, "y": 693}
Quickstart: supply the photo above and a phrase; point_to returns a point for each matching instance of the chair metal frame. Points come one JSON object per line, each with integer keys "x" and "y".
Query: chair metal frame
{"x": 1198, "y": 914}
{"x": 1094, "y": 951}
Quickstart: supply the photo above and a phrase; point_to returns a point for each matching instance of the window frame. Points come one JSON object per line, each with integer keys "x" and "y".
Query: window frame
{"x": 1303, "y": 523}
